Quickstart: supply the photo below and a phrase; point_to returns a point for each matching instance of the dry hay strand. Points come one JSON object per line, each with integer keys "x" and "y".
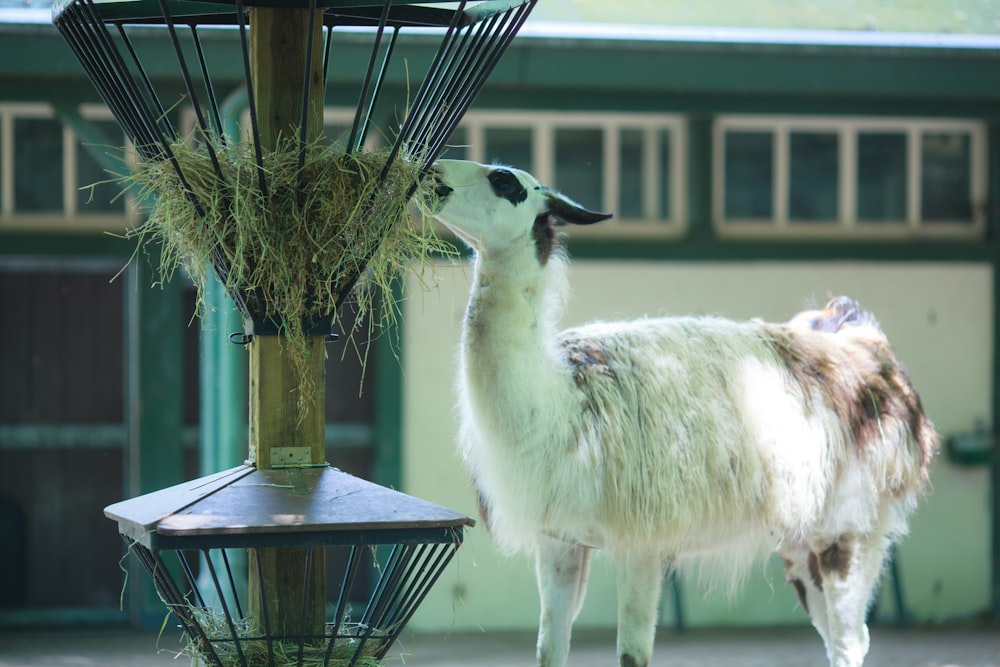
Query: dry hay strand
{"x": 294, "y": 250}
{"x": 256, "y": 651}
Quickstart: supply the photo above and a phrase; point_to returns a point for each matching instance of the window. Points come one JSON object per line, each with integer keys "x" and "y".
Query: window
{"x": 50, "y": 177}
{"x": 629, "y": 164}
{"x": 849, "y": 176}
{"x": 749, "y": 175}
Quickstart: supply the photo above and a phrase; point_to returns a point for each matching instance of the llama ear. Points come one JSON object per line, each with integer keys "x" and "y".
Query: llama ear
{"x": 564, "y": 209}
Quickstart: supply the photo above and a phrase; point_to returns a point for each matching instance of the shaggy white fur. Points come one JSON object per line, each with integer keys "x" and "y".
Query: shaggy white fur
{"x": 659, "y": 439}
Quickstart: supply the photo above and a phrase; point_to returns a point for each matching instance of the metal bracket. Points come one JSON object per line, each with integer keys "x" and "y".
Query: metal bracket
{"x": 291, "y": 457}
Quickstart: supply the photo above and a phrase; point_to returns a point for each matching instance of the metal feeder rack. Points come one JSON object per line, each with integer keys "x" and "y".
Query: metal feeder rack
{"x": 316, "y": 541}
{"x": 473, "y": 37}
{"x": 180, "y": 533}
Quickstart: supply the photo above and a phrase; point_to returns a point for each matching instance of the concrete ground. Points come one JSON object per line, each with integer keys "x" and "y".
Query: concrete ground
{"x": 792, "y": 647}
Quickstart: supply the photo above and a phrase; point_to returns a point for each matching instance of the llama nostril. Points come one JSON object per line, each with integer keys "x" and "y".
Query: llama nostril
{"x": 442, "y": 190}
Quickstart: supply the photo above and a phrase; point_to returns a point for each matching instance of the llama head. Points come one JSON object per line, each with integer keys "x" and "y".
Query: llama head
{"x": 495, "y": 208}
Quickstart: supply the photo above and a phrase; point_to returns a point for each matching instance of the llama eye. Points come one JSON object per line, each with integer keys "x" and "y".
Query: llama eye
{"x": 506, "y": 186}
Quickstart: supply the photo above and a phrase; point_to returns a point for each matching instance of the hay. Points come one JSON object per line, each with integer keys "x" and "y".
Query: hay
{"x": 257, "y": 652}
{"x": 291, "y": 251}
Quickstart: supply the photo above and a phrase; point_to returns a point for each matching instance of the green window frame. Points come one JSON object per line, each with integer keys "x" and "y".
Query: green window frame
{"x": 68, "y": 164}
{"x": 846, "y": 177}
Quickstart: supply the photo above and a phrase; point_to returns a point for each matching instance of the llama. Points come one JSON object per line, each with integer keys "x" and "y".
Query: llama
{"x": 659, "y": 439}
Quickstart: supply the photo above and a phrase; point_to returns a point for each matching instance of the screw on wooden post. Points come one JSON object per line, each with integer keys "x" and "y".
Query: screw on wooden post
{"x": 290, "y": 581}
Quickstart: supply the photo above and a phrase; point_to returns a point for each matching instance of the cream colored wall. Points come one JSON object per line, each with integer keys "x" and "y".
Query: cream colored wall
{"x": 939, "y": 318}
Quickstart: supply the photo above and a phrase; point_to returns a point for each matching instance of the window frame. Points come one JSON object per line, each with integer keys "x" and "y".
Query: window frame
{"x": 70, "y": 218}
{"x": 847, "y": 224}
{"x": 545, "y": 124}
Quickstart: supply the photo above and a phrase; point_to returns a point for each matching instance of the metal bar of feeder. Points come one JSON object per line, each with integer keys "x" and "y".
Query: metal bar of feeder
{"x": 191, "y": 578}
{"x": 419, "y": 589}
{"x": 376, "y": 43}
{"x": 172, "y": 597}
{"x": 89, "y": 52}
{"x": 519, "y": 15}
{"x": 225, "y": 612}
{"x": 232, "y": 583}
{"x": 378, "y": 86}
{"x": 471, "y": 70}
{"x": 189, "y": 84}
{"x": 456, "y": 61}
{"x": 326, "y": 54}
{"x": 346, "y": 585}
{"x": 307, "y": 575}
{"x": 263, "y": 609}
{"x": 448, "y": 552}
{"x": 161, "y": 121}
{"x": 254, "y": 122}
{"x": 160, "y": 137}
{"x": 414, "y": 569}
{"x": 112, "y": 65}
{"x": 209, "y": 88}
{"x": 403, "y": 570}
{"x": 160, "y": 129}
{"x": 423, "y": 91}
{"x": 238, "y": 296}
{"x": 111, "y": 70}
{"x": 306, "y": 76}
{"x": 74, "y": 32}
{"x": 399, "y": 621}
{"x": 435, "y": 101}
{"x": 398, "y": 559}
{"x": 421, "y": 573}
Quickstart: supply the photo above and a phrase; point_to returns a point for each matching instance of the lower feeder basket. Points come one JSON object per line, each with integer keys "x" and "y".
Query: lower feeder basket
{"x": 380, "y": 551}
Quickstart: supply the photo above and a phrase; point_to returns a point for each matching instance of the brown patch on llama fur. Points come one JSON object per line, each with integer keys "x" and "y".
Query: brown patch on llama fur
{"x": 586, "y": 358}
{"x": 852, "y": 368}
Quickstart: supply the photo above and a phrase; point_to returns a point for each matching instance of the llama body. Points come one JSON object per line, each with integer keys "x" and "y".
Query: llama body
{"x": 663, "y": 438}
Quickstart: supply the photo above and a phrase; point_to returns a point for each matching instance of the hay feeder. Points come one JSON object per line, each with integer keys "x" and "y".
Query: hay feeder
{"x": 382, "y": 551}
{"x": 287, "y": 560}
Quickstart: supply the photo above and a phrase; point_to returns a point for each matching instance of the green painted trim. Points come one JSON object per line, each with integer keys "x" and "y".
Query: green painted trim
{"x": 77, "y": 436}
{"x": 223, "y": 383}
{"x": 745, "y": 69}
{"x": 38, "y": 55}
{"x": 349, "y": 435}
{"x": 154, "y": 408}
{"x": 66, "y": 245}
{"x": 224, "y": 367}
{"x": 155, "y": 412}
{"x": 69, "y": 617}
{"x": 696, "y": 250}
{"x": 699, "y": 181}
{"x": 62, "y": 436}
{"x": 993, "y": 225}
{"x": 388, "y": 382}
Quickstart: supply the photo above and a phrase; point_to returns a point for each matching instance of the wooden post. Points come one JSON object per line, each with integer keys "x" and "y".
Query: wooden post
{"x": 295, "y": 599}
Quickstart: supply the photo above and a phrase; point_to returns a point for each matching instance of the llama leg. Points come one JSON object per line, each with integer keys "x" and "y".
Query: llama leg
{"x": 561, "y": 569}
{"x": 639, "y": 579}
{"x": 850, "y": 568}
{"x": 802, "y": 572}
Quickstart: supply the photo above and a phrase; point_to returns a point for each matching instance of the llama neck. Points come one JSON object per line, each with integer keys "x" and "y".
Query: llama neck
{"x": 509, "y": 334}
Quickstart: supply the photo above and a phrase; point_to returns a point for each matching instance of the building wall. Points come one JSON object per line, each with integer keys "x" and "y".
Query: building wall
{"x": 938, "y": 316}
